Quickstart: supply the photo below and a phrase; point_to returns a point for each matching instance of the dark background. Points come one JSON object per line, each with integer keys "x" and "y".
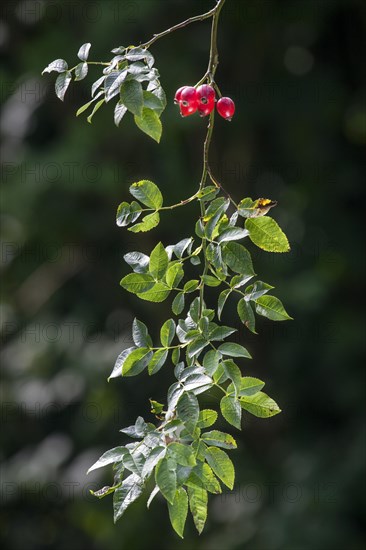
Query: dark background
{"x": 294, "y": 69}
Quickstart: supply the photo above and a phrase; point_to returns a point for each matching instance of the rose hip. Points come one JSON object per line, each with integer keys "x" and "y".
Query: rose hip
{"x": 226, "y": 108}
{"x": 205, "y": 94}
{"x": 188, "y": 101}
{"x": 178, "y": 93}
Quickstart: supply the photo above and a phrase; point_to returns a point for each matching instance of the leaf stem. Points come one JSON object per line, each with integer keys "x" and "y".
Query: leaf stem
{"x": 172, "y": 206}
{"x": 90, "y": 63}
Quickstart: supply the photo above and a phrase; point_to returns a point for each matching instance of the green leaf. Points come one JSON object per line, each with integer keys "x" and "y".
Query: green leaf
{"x": 156, "y": 407}
{"x": 166, "y": 479}
{"x": 239, "y": 280}
{"x": 137, "y": 430}
{"x": 131, "y": 96}
{"x": 148, "y": 222}
{"x": 260, "y": 405}
{"x": 97, "y": 106}
{"x": 232, "y": 234}
{"x": 109, "y": 457}
{"x": 167, "y": 332}
{"x": 157, "y": 361}
{"x": 159, "y": 93}
{"x": 158, "y": 293}
{"x": 188, "y": 410}
{"x": 117, "y": 369}
{"x": 119, "y": 112}
{"x": 138, "y": 261}
{"x": 194, "y": 310}
{"x": 158, "y": 262}
{"x": 267, "y": 235}
{"x": 151, "y": 101}
{"x": 195, "y": 347}
{"x": 178, "y": 303}
{"x": 148, "y": 193}
{"x": 136, "y": 361}
{"x": 222, "y": 300}
{"x": 211, "y": 361}
{"x": 214, "y": 213}
{"x": 210, "y": 281}
{"x": 203, "y": 477}
{"x": 87, "y": 105}
{"x": 59, "y": 66}
{"x": 140, "y": 334}
{"x": 233, "y": 372}
{"x": 250, "y": 386}
{"x": 137, "y": 282}
{"x": 182, "y": 454}
{"x": 219, "y": 439}
{"x": 175, "y": 355}
{"x": 134, "y": 462}
{"x": 220, "y": 375}
{"x": 83, "y": 52}
{"x": 272, "y": 308}
{"x": 221, "y": 465}
{"x": 149, "y": 122}
{"x": 97, "y": 85}
{"x": 234, "y": 350}
{"x": 191, "y": 286}
{"x": 178, "y": 511}
{"x": 200, "y": 449}
{"x": 199, "y": 229}
{"x": 154, "y": 457}
{"x": 136, "y": 54}
{"x": 135, "y": 211}
{"x": 104, "y": 491}
{"x": 246, "y": 314}
{"x": 127, "y": 493}
{"x": 198, "y": 506}
{"x": 197, "y": 383}
{"x": 221, "y": 332}
{"x": 189, "y": 336}
{"x": 231, "y": 410}
{"x": 62, "y": 83}
{"x": 81, "y": 71}
{"x": 237, "y": 257}
{"x": 181, "y": 247}
{"x": 153, "y": 494}
{"x": 123, "y": 212}
{"x": 258, "y": 289}
{"x": 208, "y": 193}
{"x": 174, "y": 275}
{"x": 113, "y": 83}
{"x": 207, "y": 418}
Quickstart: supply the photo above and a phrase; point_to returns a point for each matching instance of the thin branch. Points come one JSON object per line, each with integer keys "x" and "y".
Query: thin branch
{"x": 211, "y": 70}
{"x": 183, "y": 24}
{"x": 219, "y": 186}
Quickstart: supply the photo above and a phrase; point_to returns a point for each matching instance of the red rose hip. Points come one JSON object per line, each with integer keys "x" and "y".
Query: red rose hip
{"x": 178, "y": 93}
{"x": 188, "y": 101}
{"x": 226, "y": 108}
{"x": 205, "y": 94}
{"x": 206, "y": 99}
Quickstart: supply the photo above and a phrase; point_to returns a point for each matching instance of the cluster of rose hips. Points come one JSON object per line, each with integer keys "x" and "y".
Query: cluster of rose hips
{"x": 202, "y": 99}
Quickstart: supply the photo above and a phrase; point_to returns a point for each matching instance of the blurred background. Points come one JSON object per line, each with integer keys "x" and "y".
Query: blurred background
{"x": 294, "y": 69}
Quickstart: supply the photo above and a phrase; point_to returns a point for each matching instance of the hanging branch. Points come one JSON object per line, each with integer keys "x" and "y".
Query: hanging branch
{"x": 187, "y": 459}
